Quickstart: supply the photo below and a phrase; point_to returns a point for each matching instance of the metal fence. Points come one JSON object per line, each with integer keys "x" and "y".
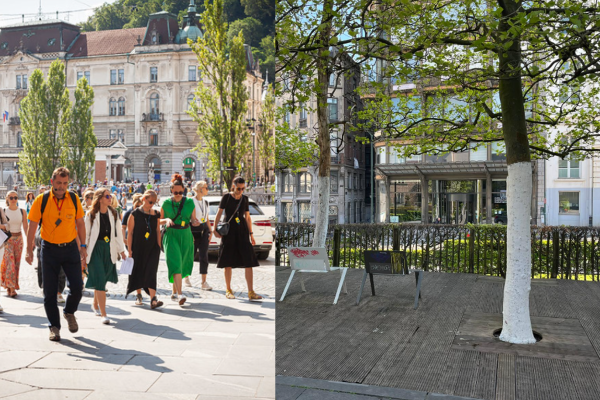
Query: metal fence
{"x": 557, "y": 251}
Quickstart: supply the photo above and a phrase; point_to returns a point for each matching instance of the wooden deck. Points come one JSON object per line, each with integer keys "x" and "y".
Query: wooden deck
{"x": 446, "y": 345}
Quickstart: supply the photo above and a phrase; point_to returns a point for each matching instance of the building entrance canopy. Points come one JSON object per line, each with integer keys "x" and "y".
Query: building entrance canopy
{"x": 454, "y": 170}
{"x": 456, "y": 192}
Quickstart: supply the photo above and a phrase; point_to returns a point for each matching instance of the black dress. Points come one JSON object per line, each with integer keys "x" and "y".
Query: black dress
{"x": 236, "y": 250}
{"x": 146, "y": 252}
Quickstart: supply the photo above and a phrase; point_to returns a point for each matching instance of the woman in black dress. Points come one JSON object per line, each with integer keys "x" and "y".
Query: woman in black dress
{"x": 237, "y": 246}
{"x": 144, "y": 246}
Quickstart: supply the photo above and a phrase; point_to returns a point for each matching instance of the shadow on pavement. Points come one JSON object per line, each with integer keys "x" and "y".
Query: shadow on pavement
{"x": 106, "y": 356}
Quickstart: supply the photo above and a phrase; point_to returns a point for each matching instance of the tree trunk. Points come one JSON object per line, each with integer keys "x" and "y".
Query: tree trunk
{"x": 516, "y": 327}
{"x": 323, "y": 139}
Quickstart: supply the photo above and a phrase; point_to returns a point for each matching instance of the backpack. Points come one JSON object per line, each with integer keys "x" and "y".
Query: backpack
{"x": 38, "y": 237}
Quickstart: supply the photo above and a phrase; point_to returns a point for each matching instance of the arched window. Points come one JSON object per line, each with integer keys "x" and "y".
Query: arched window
{"x": 121, "y": 106}
{"x": 154, "y": 106}
{"x": 190, "y": 99}
{"x": 112, "y": 106}
{"x": 153, "y": 139}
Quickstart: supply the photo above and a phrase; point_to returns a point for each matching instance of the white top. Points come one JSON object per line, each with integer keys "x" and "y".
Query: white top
{"x": 116, "y": 235}
{"x": 202, "y": 209}
{"x": 15, "y": 219}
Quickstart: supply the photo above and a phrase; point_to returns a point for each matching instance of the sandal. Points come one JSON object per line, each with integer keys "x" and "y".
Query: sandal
{"x": 138, "y": 299}
{"x": 229, "y": 294}
{"x": 155, "y": 303}
{"x": 253, "y": 296}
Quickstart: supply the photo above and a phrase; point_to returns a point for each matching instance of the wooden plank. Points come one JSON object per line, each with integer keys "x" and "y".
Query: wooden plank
{"x": 506, "y": 383}
{"x": 384, "y": 342}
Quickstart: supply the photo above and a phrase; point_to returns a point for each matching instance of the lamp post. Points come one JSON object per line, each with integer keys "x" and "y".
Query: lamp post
{"x": 372, "y": 179}
{"x": 250, "y": 126}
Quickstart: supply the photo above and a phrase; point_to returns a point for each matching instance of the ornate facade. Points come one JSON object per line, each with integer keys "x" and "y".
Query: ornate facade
{"x": 143, "y": 81}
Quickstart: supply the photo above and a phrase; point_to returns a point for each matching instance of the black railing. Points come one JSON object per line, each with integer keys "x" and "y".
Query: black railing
{"x": 14, "y": 121}
{"x": 302, "y": 123}
{"x": 557, "y": 252}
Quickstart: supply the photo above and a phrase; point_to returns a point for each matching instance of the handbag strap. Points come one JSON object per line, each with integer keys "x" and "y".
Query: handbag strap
{"x": 179, "y": 210}
{"x": 237, "y": 208}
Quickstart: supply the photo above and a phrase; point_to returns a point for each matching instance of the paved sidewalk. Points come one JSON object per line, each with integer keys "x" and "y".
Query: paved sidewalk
{"x": 295, "y": 388}
{"x": 211, "y": 348}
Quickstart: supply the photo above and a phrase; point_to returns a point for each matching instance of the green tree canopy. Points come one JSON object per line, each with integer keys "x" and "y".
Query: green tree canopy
{"x": 79, "y": 132}
{"x": 251, "y": 28}
{"x": 54, "y": 133}
{"x": 220, "y": 104}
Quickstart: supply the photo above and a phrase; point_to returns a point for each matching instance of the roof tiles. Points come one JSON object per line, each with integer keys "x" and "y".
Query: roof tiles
{"x": 98, "y": 43}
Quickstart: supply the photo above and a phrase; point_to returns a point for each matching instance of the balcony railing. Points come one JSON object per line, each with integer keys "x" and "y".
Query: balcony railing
{"x": 14, "y": 121}
{"x": 302, "y": 123}
{"x": 152, "y": 117}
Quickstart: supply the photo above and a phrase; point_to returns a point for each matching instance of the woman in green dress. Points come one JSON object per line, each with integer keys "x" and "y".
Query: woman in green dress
{"x": 178, "y": 240}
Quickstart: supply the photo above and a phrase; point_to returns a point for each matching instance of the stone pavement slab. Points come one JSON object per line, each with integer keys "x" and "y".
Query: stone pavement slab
{"x": 51, "y": 394}
{"x": 211, "y": 348}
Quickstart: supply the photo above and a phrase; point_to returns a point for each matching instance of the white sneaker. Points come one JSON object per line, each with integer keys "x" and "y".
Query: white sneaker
{"x": 205, "y": 286}
{"x": 187, "y": 281}
{"x": 182, "y": 299}
{"x": 105, "y": 320}
{"x": 174, "y": 296}
{"x": 1, "y": 309}
{"x": 96, "y": 311}
{"x": 60, "y": 298}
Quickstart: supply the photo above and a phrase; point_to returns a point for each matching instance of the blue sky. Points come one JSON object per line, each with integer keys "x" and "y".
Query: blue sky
{"x": 11, "y": 10}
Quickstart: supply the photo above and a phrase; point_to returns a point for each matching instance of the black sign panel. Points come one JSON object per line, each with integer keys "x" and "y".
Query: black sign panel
{"x": 385, "y": 262}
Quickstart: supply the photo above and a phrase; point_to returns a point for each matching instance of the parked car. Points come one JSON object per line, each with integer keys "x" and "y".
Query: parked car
{"x": 501, "y": 219}
{"x": 261, "y": 227}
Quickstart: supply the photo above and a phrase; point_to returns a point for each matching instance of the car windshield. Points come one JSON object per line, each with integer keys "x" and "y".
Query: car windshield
{"x": 254, "y": 209}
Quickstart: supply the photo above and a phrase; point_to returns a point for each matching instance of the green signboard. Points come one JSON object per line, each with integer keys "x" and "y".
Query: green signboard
{"x": 188, "y": 164}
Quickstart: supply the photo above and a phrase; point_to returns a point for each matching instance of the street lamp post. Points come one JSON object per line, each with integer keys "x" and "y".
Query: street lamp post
{"x": 221, "y": 168}
{"x": 253, "y": 168}
{"x": 372, "y": 179}
{"x": 250, "y": 125}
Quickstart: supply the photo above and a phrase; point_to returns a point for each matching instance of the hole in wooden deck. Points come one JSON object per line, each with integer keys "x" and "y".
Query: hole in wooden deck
{"x": 536, "y": 335}
{"x": 564, "y": 338}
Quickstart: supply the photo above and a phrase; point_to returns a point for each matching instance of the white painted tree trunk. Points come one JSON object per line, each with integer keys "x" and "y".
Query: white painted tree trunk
{"x": 516, "y": 327}
{"x": 322, "y": 217}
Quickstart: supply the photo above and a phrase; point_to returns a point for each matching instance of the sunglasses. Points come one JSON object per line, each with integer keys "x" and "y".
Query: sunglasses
{"x": 108, "y": 196}
{"x": 240, "y": 189}
{"x": 151, "y": 202}
{"x": 177, "y": 193}
{"x": 13, "y": 198}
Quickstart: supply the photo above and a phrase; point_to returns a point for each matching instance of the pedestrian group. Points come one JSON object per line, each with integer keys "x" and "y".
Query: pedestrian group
{"x": 79, "y": 241}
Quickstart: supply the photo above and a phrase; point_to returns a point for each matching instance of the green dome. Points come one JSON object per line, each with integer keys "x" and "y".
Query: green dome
{"x": 191, "y": 32}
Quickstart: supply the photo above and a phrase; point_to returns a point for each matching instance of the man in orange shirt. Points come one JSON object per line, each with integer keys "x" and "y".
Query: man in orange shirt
{"x": 62, "y": 222}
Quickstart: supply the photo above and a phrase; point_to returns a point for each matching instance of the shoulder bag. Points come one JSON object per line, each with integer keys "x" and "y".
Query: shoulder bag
{"x": 163, "y": 229}
{"x": 223, "y": 227}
